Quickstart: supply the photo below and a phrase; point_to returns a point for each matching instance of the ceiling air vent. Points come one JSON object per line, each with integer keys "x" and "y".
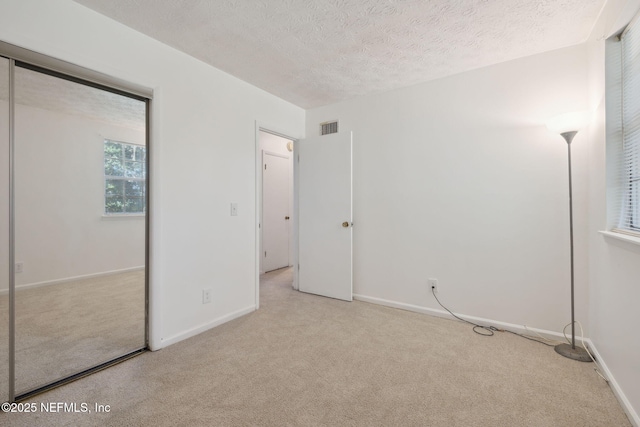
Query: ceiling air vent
{"x": 327, "y": 128}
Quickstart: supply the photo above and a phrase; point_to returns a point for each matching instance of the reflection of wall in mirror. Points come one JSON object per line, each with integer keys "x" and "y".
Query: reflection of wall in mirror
{"x": 60, "y": 229}
{"x": 4, "y": 194}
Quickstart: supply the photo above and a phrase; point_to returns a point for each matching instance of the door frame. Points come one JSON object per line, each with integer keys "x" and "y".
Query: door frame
{"x": 273, "y": 130}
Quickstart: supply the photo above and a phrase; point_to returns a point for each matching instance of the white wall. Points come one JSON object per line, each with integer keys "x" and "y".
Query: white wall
{"x": 614, "y": 266}
{"x": 59, "y": 184}
{"x": 202, "y": 154}
{"x": 458, "y": 179}
{"x": 277, "y": 144}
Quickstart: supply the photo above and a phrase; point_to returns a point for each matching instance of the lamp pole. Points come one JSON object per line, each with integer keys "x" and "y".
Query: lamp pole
{"x": 566, "y": 350}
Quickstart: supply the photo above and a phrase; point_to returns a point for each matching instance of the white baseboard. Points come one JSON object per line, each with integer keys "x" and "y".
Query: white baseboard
{"x": 479, "y": 320}
{"x": 164, "y": 342}
{"x": 72, "y": 279}
{"x": 622, "y": 398}
{"x": 624, "y": 402}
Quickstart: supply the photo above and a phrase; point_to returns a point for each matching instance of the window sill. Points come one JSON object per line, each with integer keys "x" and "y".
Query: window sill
{"x": 622, "y": 236}
{"x": 122, "y": 217}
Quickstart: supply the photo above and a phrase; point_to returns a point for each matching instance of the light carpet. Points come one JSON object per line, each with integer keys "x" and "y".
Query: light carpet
{"x": 68, "y": 327}
{"x": 304, "y": 360}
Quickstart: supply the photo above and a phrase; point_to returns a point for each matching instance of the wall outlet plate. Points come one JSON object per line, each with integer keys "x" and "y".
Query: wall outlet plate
{"x": 19, "y": 267}
{"x": 206, "y": 296}
{"x": 433, "y": 284}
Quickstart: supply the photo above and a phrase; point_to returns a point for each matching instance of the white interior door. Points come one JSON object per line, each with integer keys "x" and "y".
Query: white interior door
{"x": 325, "y": 216}
{"x": 275, "y": 211}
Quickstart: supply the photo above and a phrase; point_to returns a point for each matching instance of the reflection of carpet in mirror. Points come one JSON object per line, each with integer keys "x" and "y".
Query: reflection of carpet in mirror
{"x": 4, "y": 348}
{"x": 66, "y": 328}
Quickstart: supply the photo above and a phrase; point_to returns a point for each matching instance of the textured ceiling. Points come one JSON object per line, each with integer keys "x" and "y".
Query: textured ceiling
{"x": 316, "y": 52}
{"x": 55, "y": 94}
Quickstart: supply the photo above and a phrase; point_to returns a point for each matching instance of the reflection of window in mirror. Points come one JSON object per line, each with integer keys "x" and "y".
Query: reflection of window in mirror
{"x": 124, "y": 178}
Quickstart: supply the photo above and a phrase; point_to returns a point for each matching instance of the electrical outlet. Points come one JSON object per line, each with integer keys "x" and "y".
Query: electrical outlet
{"x": 206, "y": 296}
{"x": 19, "y": 267}
{"x": 433, "y": 284}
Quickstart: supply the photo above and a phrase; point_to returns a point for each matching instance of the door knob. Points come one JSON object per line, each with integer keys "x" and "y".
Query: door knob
{"x": 286, "y": 217}
{"x": 345, "y": 224}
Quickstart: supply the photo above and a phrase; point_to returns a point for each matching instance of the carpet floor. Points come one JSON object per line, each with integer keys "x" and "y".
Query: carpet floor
{"x": 304, "y": 360}
{"x": 66, "y": 328}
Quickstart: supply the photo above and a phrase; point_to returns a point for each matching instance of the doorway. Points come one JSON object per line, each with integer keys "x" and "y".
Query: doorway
{"x": 321, "y": 200}
{"x": 275, "y": 201}
{"x": 275, "y": 211}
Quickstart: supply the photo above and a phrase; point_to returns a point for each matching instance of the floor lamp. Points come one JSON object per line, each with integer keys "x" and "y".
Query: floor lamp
{"x": 567, "y": 125}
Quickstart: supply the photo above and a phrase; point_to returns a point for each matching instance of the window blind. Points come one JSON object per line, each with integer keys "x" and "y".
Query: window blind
{"x": 629, "y": 167}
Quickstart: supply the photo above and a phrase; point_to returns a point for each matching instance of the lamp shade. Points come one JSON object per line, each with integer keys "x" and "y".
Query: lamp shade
{"x": 568, "y": 122}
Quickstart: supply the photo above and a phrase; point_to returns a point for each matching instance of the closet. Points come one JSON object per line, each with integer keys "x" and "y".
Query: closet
{"x": 74, "y": 157}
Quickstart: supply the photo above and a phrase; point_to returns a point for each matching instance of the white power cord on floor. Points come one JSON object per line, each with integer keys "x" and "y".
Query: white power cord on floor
{"x": 539, "y": 336}
{"x": 564, "y": 332}
{"x": 489, "y": 331}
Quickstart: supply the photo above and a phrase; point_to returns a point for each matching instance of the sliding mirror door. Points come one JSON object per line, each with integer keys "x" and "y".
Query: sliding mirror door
{"x": 5, "y": 271}
{"x": 80, "y": 171}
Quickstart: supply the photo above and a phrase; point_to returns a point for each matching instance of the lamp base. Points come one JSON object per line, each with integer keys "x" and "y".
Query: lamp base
{"x": 578, "y": 353}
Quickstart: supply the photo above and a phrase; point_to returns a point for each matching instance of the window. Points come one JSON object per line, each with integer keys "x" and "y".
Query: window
{"x": 124, "y": 178}
{"x": 623, "y": 123}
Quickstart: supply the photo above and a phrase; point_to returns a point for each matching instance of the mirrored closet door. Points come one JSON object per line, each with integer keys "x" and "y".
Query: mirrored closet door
{"x": 79, "y": 190}
{"x": 5, "y": 271}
